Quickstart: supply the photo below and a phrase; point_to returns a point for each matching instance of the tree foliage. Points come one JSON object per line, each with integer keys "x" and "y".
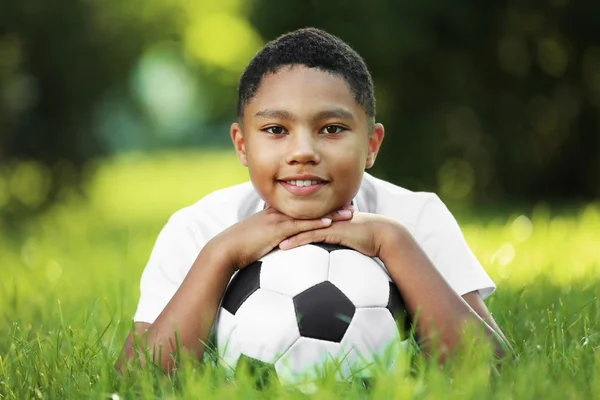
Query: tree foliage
{"x": 481, "y": 101}
{"x": 486, "y": 101}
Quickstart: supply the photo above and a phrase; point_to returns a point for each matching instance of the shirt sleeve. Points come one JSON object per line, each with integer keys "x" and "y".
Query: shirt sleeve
{"x": 438, "y": 233}
{"x": 174, "y": 252}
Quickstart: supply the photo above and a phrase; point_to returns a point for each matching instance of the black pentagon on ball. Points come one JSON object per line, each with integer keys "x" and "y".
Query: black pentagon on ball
{"x": 323, "y": 312}
{"x": 243, "y": 284}
{"x": 397, "y": 307}
{"x": 331, "y": 247}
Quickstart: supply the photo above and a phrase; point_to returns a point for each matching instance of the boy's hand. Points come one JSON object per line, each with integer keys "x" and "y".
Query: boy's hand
{"x": 252, "y": 238}
{"x": 365, "y": 232}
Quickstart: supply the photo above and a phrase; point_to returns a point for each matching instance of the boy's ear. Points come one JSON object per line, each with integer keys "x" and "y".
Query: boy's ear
{"x": 237, "y": 137}
{"x": 375, "y": 138}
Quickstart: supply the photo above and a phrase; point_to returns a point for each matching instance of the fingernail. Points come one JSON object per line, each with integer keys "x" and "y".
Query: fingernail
{"x": 284, "y": 243}
{"x": 326, "y": 221}
{"x": 345, "y": 213}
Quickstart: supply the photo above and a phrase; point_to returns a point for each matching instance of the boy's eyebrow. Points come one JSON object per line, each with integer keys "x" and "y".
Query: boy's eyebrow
{"x": 283, "y": 114}
{"x": 340, "y": 113}
{"x": 280, "y": 114}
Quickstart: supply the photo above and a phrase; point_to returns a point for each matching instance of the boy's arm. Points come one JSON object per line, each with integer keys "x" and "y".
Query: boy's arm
{"x": 441, "y": 311}
{"x": 189, "y": 314}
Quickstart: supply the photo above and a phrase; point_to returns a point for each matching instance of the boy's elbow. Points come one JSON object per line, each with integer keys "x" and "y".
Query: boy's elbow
{"x": 500, "y": 353}
{"x": 503, "y": 351}
{"x": 127, "y": 363}
{"x": 119, "y": 367}
{"x": 126, "y": 354}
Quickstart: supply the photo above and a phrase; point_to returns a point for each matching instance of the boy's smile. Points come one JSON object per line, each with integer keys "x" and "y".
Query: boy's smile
{"x": 305, "y": 142}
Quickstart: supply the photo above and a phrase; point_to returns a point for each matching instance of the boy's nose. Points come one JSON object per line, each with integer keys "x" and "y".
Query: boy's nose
{"x": 303, "y": 150}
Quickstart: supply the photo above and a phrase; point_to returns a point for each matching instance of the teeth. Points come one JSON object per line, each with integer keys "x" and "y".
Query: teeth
{"x": 302, "y": 183}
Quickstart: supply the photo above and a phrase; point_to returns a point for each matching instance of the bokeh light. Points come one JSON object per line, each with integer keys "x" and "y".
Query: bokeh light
{"x": 222, "y": 40}
{"x": 168, "y": 89}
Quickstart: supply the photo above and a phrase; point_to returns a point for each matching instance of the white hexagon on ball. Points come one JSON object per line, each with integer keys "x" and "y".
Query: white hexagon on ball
{"x": 372, "y": 341}
{"x": 292, "y": 271}
{"x": 359, "y": 277}
{"x": 304, "y": 361}
{"x": 227, "y": 344}
{"x": 266, "y": 325}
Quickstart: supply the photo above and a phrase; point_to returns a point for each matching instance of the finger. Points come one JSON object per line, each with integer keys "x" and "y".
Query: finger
{"x": 301, "y": 239}
{"x": 315, "y": 236}
{"x": 342, "y": 214}
{"x": 291, "y": 227}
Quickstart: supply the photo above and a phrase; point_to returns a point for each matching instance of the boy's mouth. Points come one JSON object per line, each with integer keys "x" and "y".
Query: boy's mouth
{"x": 303, "y": 188}
{"x": 302, "y": 179}
{"x": 304, "y": 182}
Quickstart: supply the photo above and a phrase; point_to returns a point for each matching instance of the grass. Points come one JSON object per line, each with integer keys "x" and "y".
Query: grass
{"x": 70, "y": 279}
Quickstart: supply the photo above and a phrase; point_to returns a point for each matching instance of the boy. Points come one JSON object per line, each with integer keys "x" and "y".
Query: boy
{"x": 306, "y": 132}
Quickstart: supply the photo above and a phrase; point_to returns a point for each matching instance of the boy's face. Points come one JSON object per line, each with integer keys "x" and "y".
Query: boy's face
{"x": 304, "y": 121}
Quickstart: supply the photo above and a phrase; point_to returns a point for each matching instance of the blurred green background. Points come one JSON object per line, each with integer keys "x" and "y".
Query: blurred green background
{"x": 114, "y": 114}
{"x": 484, "y": 103}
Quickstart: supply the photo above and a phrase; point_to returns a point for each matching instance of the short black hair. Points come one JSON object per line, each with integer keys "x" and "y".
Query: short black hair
{"x": 313, "y": 48}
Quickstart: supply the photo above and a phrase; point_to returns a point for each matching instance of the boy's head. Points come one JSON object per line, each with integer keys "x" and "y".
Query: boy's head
{"x": 306, "y": 110}
{"x": 312, "y": 48}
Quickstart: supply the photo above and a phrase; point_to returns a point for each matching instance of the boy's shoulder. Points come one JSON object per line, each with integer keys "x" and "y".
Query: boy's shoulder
{"x": 221, "y": 208}
{"x": 382, "y": 197}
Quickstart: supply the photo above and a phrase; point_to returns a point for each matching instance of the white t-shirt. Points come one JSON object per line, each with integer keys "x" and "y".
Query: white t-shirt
{"x": 189, "y": 229}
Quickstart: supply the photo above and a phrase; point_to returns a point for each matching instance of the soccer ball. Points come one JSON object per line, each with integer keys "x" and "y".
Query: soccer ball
{"x": 293, "y": 311}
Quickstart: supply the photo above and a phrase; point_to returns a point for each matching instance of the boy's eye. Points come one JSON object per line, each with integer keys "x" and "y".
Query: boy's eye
{"x": 275, "y": 130}
{"x": 332, "y": 129}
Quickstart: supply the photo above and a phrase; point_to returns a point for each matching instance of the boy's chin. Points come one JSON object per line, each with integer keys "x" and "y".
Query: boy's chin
{"x": 301, "y": 212}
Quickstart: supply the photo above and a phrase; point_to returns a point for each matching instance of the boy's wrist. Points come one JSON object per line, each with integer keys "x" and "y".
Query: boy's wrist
{"x": 219, "y": 256}
{"x": 393, "y": 238}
